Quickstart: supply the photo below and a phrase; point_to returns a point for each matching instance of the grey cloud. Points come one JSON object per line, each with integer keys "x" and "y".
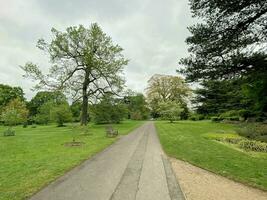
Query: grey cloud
{"x": 152, "y": 33}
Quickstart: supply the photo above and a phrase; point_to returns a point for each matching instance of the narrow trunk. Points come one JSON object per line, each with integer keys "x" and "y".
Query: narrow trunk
{"x": 84, "y": 116}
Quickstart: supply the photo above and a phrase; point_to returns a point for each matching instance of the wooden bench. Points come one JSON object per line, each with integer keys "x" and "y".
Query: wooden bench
{"x": 110, "y": 132}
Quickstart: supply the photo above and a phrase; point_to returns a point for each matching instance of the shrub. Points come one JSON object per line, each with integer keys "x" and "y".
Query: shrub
{"x": 216, "y": 119}
{"x": 230, "y": 113}
{"x": 243, "y": 143}
{"x": 244, "y": 113}
{"x": 9, "y": 132}
{"x": 196, "y": 117}
{"x": 233, "y": 118}
{"x": 252, "y": 131}
{"x": 253, "y": 145}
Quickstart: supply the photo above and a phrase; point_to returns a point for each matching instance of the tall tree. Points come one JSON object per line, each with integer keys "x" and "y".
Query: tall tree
{"x": 229, "y": 42}
{"x": 216, "y": 97}
{"x": 85, "y": 64}
{"x": 165, "y": 88}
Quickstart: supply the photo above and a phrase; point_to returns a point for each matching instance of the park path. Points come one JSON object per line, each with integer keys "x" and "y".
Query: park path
{"x": 133, "y": 168}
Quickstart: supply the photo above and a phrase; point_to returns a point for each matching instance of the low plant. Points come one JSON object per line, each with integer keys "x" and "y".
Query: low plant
{"x": 241, "y": 142}
{"x": 253, "y": 131}
{"x": 253, "y": 145}
{"x": 196, "y": 117}
{"x": 9, "y": 132}
{"x": 216, "y": 119}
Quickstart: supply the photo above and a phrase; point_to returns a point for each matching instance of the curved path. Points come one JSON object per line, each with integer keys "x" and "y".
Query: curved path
{"x": 134, "y": 167}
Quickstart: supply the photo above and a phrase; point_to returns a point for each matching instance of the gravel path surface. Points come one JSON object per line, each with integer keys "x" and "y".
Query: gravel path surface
{"x": 199, "y": 184}
{"x": 133, "y": 168}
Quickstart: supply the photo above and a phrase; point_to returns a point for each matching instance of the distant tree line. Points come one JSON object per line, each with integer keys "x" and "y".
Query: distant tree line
{"x": 53, "y": 107}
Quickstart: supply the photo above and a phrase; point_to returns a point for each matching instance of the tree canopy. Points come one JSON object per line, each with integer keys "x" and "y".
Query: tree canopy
{"x": 229, "y": 42}
{"x": 8, "y": 93}
{"x": 85, "y": 64}
{"x": 15, "y": 112}
{"x": 43, "y": 97}
{"x": 165, "y": 88}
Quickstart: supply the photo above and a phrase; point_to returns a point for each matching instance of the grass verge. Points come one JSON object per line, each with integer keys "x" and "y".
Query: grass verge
{"x": 37, "y": 156}
{"x": 187, "y": 140}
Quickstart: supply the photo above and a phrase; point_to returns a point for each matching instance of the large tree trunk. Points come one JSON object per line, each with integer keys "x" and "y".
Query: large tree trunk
{"x": 84, "y": 115}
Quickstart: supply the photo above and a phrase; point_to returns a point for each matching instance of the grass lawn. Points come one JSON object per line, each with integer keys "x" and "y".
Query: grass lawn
{"x": 186, "y": 140}
{"x": 36, "y": 156}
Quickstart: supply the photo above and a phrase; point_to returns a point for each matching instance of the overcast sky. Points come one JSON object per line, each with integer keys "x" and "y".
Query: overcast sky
{"x": 152, "y": 33}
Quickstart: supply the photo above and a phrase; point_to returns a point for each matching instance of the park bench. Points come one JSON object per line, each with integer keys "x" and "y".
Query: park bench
{"x": 110, "y": 132}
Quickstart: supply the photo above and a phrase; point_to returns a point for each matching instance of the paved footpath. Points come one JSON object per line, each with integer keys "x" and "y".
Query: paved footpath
{"x": 133, "y": 168}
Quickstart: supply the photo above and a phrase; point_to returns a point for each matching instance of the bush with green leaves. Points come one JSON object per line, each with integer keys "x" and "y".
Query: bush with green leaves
{"x": 253, "y": 145}
{"x": 14, "y": 113}
{"x": 216, "y": 119}
{"x": 61, "y": 114}
{"x": 196, "y": 117}
{"x": 9, "y": 132}
{"x": 253, "y": 131}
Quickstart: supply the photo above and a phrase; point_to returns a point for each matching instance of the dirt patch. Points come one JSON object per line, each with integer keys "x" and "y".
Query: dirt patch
{"x": 199, "y": 184}
{"x": 73, "y": 144}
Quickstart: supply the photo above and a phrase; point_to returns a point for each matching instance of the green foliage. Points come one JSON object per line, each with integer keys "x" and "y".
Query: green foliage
{"x": 216, "y": 119}
{"x": 220, "y": 46}
{"x": 15, "y": 112}
{"x": 254, "y": 131}
{"x": 85, "y": 63}
{"x": 137, "y": 115}
{"x": 8, "y": 93}
{"x": 136, "y": 106}
{"x": 249, "y": 145}
{"x": 170, "y": 110}
{"x": 9, "y": 132}
{"x": 196, "y": 117}
{"x": 253, "y": 145}
{"x": 43, "y": 97}
{"x": 108, "y": 110}
{"x": 44, "y": 112}
{"x": 164, "y": 88}
{"x": 76, "y": 109}
{"x": 216, "y": 97}
{"x": 61, "y": 114}
{"x": 228, "y": 47}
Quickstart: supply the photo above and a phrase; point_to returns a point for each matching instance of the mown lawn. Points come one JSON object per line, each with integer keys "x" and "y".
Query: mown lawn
{"x": 36, "y": 156}
{"x": 186, "y": 140}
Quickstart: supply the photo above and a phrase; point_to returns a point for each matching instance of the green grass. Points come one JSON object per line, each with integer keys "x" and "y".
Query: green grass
{"x": 187, "y": 140}
{"x": 36, "y": 156}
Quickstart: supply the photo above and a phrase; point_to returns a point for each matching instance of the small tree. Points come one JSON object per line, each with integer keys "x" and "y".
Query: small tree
{"x": 61, "y": 114}
{"x": 15, "y": 112}
{"x": 170, "y": 110}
